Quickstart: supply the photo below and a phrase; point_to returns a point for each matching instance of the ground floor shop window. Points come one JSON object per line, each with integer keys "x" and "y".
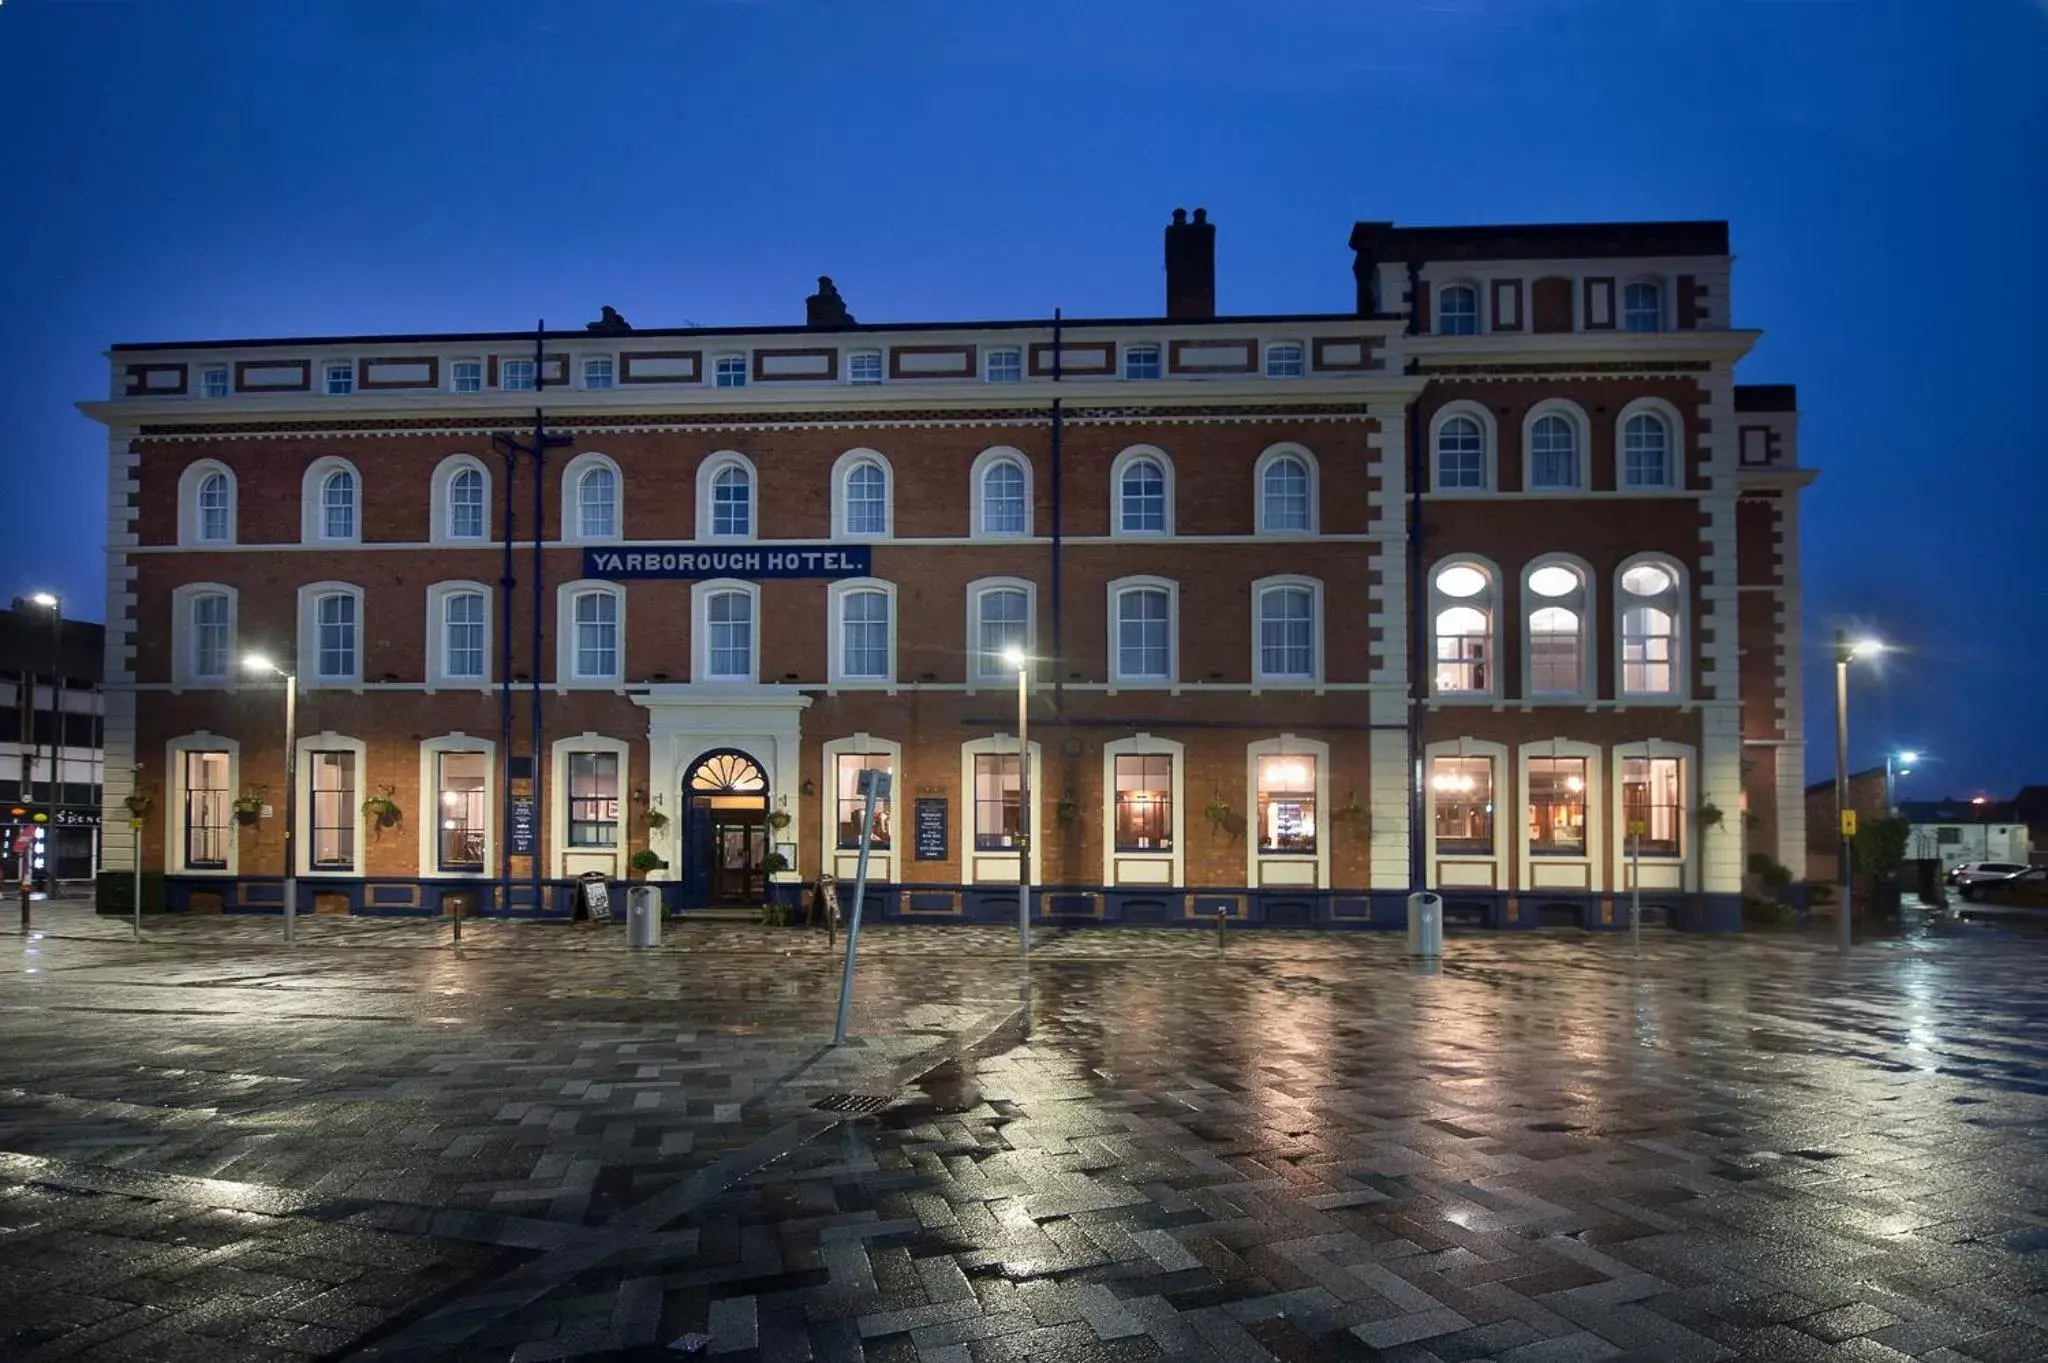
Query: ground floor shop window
{"x": 1287, "y": 804}
{"x": 1651, "y": 805}
{"x": 460, "y": 779}
{"x": 1463, "y": 790}
{"x": 333, "y": 785}
{"x": 852, "y": 803}
{"x": 997, "y": 801}
{"x": 593, "y": 799}
{"x": 1557, "y": 806}
{"x": 206, "y": 811}
{"x": 1144, "y": 802}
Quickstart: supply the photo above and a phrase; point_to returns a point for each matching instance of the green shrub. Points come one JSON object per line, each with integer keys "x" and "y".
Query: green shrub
{"x": 1768, "y": 914}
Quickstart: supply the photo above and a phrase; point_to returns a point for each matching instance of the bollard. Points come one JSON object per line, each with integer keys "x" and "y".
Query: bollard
{"x": 458, "y": 922}
{"x": 1222, "y": 917}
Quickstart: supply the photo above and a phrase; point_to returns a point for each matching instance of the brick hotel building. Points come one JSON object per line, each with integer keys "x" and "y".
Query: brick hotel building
{"x": 770, "y": 557}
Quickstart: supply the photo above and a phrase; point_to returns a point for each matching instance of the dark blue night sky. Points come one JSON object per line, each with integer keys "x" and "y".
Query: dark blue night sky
{"x": 188, "y": 169}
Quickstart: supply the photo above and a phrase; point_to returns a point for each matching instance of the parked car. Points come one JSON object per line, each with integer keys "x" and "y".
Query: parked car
{"x": 2028, "y": 889}
{"x": 1970, "y": 872}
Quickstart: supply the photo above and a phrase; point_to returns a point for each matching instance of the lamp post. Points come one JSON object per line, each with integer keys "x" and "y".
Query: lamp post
{"x": 1015, "y": 657}
{"x": 1907, "y": 761}
{"x": 1845, "y": 652}
{"x": 256, "y": 662}
{"x": 54, "y": 604}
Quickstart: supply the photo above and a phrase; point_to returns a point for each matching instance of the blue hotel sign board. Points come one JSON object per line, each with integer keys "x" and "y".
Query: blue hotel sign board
{"x": 694, "y": 561}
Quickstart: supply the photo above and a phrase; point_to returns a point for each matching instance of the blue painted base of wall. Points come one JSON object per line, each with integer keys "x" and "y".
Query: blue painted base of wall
{"x": 1056, "y": 906}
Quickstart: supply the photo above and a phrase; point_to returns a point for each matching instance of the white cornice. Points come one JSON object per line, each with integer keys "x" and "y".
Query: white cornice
{"x": 1589, "y": 347}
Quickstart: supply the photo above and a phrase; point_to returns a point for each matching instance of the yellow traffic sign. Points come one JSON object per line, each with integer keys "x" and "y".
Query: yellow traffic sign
{"x": 1848, "y": 823}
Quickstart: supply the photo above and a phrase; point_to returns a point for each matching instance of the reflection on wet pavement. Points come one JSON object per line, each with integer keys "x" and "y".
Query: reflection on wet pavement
{"x": 1555, "y": 1147}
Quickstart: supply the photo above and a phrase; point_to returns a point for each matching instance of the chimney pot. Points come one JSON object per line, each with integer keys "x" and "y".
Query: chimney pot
{"x": 1191, "y": 265}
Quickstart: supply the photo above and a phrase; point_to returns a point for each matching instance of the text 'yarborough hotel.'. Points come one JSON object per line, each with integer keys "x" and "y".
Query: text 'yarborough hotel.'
{"x": 1510, "y": 508}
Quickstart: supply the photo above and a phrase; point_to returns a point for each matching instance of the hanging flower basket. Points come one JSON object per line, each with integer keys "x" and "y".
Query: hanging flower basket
{"x": 383, "y": 809}
{"x": 778, "y": 818}
{"x": 656, "y": 819}
{"x": 248, "y": 808}
{"x": 138, "y": 805}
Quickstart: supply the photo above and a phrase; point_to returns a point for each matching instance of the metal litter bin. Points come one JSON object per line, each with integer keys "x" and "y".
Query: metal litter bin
{"x": 643, "y": 916}
{"x": 1425, "y": 924}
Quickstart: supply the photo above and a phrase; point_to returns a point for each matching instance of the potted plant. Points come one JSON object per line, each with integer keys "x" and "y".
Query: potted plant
{"x": 1709, "y": 815}
{"x": 778, "y": 818}
{"x": 1218, "y": 811}
{"x": 775, "y": 863}
{"x": 383, "y": 808}
{"x": 646, "y": 860}
{"x": 656, "y": 819}
{"x": 248, "y": 807}
{"x": 138, "y": 805}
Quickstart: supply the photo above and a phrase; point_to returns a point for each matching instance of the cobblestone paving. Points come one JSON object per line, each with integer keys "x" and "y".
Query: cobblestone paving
{"x": 1555, "y": 1147}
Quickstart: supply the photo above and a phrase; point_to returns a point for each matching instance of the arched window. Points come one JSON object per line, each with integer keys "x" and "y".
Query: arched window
{"x": 1141, "y": 492}
{"x": 1649, "y": 601}
{"x": 1287, "y": 629}
{"x": 338, "y": 506}
{"x": 1642, "y": 307}
{"x": 206, "y": 504}
{"x": 595, "y": 616}
{"x": 461, "y": 500}
{"x": 1142, "y": 630}
{"x": 213, "y": 508}
{"x": 1463, "y": 597}
{"x": 203, "y": 635}
{"x": 1457, "y": 312}
{"x": 1645, "y": 451}
{"x": 863, "y": 631}
{"x": 331, "y": 494}
{"x": 1001, "y": 612}
{"x": 1555, "y": 605}
{"x": 458, "y": 634}
{"x": 1554, "y": 445}
{"x": 592, "y": 500}
{"x": 330, "y": 634}
{"x": 732, "y": 503}
{"x": 1286, "y": 488}
{"x": 1002, "y": 494}
{"x": 729, "y": 638}
{"x": 1464, "y": 445}
{"x": 867, "y": 500}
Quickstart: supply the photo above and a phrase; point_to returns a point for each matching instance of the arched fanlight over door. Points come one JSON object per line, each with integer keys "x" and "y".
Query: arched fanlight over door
{"x": 728, "y": 773}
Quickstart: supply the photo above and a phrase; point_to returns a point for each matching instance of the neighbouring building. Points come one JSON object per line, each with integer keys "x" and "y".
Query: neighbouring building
{"x": 1867, "y": 797}
{"x": 1502, "y": 526}
{"x": 36, "y": 645}
{"x": 1955, "y": 831}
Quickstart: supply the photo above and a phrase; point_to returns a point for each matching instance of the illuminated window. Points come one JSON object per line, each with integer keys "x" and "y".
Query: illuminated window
{"x": 1652, "y": 805}
{"x": 1557, "y": 806}
{"x": 1462, "y": 790}
{"x": 1648, "y": 602}
{"x": 996, "y": 801}
{"x": 1458, "y": 310}
{"x": 1462, "y": 596}
{"x": 1556, "y": 630}
{"x": 1287, "y": 805}
{"x": 1003, "y": 620}
{"x": 1144, "y": 802}
{"x": 593, "y": 799}
{"x": 332, "y": 787}
{"x": 460, "y": 779}
{"x": 852, "y": 803}
{"x": 207, "y": 800}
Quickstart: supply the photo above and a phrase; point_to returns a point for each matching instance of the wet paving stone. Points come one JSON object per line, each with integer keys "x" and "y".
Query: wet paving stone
{"x": 546, "y": 1146}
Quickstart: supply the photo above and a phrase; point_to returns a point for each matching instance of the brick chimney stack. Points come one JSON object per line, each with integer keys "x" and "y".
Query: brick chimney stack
{"x": 1191, "y": 265}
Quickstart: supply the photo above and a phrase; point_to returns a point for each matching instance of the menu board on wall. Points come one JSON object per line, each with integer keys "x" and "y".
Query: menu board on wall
{"x": 930, "y": 819}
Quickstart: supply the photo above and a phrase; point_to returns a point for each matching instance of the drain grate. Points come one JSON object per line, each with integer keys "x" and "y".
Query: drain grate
{"x": 859, "y": 1103}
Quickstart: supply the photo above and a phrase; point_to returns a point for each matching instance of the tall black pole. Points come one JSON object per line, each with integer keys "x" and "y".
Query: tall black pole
{"x": 510, "y": 450}
{"x": 1418, "y": 617}
{"x": 540, "y": 460}
{"x": 56, "y": 741}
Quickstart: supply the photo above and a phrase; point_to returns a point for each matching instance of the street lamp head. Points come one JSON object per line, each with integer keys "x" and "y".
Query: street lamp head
{"x": 258, "y": 662}
{"x": 1014, "y": 656}
{"x": 1865, "y": 648}
{"x": 47, "y": 600}
{"x": 1909, "y": 758}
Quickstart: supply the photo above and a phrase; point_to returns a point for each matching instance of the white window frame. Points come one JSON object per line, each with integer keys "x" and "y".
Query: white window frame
{"x": 430, "y": 805}
{"x": 1478, "y": 307}
{"x": 454, "y": 380}
{"x": 1678, "y": 602}
{"x": 572, "y": 499}
{"x": 882, "y": 862}
{"x": 988, "y": 363}
{"x": 1267, "y": 458}
{"x": 1117, "y": 468}
{"x": 707, "y": 474}
{"x": 1000, "y": 867}
{"x": 505, "y": 364}
{"x": 1263, "y": 680}
{"x": 444, "y": 475}
{"x": 1138, "y": 868}
{"x": 1484, "y": 870}
{"x": 1158, "y": 361}
{"x": 611, "y": 364}
{"x": 717, "y": 367}
{"x": 1690, "y": 835}
{"x": 328, "y": 369}
{"x": 174, "y": 802}
{"x": 1489, "y": 439}
{"x": 1119, "y": 680}
{"x": 1277, "y": 870}
{"x": 437, "y": 636}
{"x": 1490, "y": 601}
{"x": 566, "y": 676}
{"x": 312, "y": 508}
{"x": 190, "y": 522}
{"x": 1592, "y": 859}
{"x": 185, "y": 638}
{"x": 1300, "y": 360}
{"x": 227, "y": 380}
{"x": 569, "y": 861}
{"x": 329, "y": 741}
{"x": 976, "y": 678}
{"x": 1674, "y": 435}
{"x": 1584, "y": 603}
{"x": 1663, "y": 305}
{"x": 835, "y": 644}
{"x": 309, "y": 637}
{"x": 1575, "y": 415}
{"x": 842, "y": 470}
{"x": 881, "y": 366}
{"x": 700, "y": 631}
{"x": 977, "y": 520}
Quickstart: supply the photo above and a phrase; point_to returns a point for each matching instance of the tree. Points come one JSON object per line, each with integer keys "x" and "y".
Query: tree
{"x": 1879, "y": 847}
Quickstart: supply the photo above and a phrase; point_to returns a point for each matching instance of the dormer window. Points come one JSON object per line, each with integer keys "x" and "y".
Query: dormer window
{"x": 341, "y": 379}
{"x": 516, "y": 376}
{"x": 1005, "y": 365}
{"x": 1284, "y": 360}
{"x": 730, "y": 371}
{"x": 213, "y": 381}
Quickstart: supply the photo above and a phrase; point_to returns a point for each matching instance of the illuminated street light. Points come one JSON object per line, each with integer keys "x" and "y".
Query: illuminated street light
{"x": 262, "y": 663}
{"x": 1865, "y": 648}
{"x": 1845, "y": 653}
{"x": 1014, "y": 656}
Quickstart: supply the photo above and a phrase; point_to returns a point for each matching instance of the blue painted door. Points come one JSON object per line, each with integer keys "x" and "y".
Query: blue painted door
{"x": 696, "y": 852}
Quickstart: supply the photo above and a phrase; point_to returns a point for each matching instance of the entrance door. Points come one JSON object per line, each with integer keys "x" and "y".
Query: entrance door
{"x": 725, "y": 832}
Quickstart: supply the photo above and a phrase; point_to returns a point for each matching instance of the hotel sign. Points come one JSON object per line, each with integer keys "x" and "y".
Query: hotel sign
{"x": 694, "y": 561}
